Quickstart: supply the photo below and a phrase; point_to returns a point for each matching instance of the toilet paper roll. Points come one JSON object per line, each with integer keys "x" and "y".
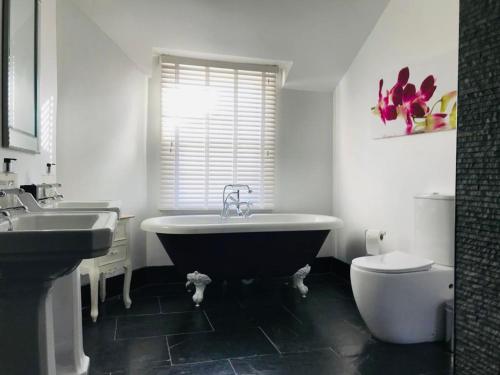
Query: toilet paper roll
{"x": 374, "y": 238}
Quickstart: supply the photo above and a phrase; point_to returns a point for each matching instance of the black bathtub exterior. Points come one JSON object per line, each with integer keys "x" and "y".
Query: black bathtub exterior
{"x": 224, "y": 256}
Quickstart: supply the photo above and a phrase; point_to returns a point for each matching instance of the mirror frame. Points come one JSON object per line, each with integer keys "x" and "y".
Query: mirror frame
{"x": 14, "y": 138}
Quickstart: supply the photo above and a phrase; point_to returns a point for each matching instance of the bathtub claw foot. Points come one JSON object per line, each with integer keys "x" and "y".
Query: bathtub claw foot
{"x": 247, "y": 281}
{"x": 298, "y": 280}
{"x": 200, "y": 281}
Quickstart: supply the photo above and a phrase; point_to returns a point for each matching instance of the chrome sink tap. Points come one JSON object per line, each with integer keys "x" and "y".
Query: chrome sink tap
{"x": 231, "y": 198}
{"x": 50, "y": 192}
{"x": 6, "y": 215}
{"x": 9, "y": 204}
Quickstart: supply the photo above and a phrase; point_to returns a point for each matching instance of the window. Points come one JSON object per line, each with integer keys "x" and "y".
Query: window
{"x": 218, "y": 126}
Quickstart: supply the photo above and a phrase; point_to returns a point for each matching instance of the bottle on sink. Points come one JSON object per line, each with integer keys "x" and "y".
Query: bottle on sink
{"x": 8, "y": 178}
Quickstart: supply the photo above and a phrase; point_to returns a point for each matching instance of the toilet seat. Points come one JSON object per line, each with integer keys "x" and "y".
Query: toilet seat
{"x": 394, "y": 262}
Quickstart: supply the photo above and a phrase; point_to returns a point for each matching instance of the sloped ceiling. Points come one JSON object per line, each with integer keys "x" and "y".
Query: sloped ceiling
{"x": 319, "y": 37}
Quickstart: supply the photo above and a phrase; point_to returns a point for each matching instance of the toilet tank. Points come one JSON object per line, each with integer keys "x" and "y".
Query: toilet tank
{"x": 435, "y": 228}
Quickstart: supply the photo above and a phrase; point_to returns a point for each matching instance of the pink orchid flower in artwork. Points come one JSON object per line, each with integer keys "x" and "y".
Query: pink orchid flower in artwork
{"x": 413, "y": 103}
{"x": 388, "y": 111}
{"x": 405, "y": 101}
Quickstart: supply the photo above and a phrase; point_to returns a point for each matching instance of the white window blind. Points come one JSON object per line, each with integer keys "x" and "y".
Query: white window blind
{"x": 218, "y": 126}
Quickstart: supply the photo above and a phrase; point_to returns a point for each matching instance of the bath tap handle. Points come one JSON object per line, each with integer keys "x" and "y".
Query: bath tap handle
{"x": 247, "y": 211}
{"x": 233, "y": 198}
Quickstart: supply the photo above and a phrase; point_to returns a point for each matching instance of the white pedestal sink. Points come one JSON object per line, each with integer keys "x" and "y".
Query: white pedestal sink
{"x": 40, "y": 248}
{"x": 70, "y": 356}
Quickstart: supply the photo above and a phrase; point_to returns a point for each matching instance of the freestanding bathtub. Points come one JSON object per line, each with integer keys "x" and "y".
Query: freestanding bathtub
{"x": 209, "y": 246}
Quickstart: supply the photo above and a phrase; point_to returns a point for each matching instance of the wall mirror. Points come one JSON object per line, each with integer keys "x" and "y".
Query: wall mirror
{"x": 19, "y": 75}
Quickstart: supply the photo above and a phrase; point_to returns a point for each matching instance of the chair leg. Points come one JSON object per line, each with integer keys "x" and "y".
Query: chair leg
{"x": 102, "y": 284}
{"x": 126, "y": 286}
{"x": 94, "y": 291}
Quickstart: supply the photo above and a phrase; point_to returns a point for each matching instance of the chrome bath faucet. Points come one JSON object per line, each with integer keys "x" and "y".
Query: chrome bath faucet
{"x": 231, "y": 198}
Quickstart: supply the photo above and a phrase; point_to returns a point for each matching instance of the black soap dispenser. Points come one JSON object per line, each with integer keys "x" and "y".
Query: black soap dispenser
{"x": 50, "y": 176}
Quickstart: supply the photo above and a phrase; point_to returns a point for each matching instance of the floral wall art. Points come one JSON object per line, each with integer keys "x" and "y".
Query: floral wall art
{"x": 416, "y": 100}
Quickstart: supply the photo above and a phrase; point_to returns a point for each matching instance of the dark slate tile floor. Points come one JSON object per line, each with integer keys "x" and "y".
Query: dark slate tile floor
{"x": 262, "y": 328}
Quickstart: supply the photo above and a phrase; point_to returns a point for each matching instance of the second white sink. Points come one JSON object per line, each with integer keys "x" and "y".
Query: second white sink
{"x": 87, "y": 205}
{"x": 69, "y": 206}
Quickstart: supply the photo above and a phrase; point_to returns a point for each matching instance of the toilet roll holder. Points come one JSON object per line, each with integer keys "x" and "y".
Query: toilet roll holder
{"x": 381, "y": 235}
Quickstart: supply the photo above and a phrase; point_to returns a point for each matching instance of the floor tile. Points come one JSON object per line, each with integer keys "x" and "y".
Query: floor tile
{"x": 184, "y": 302}
{"x": 322, "y": 291}
{"x": 178, "y": 303}
{"x": 163, "y": 324}
{"x": 414, "y": 359}
{"x": 233, "y": 319}
{"x": 264, "y": 328}
{"x": 97, "y": 372}
{"x": 108, "y": 356}
{"x": 321, "y": 362}
{"x": 347, "y": 338}
{"x": 222, "y": 367}
{"x": 338, "y": 334}
{"x": 158, "y": 290}
{"x": 319, "y": 310}
{"x": 441, "y": 372}
{"x": 329, "y": 278}
{"x": 292, "y": 337}
{"x": 327, "y": 285}
{"x": 102, "y": 330}
{"x": 295, "y": 337}
{"x": 263, "y": 293}
{"x": 218, "y": 345}
{"x": 142, "y": 367}
{"x": 140, "y": 306}
{"x": 244, "y": 318}
{"x": 271, "y": 315}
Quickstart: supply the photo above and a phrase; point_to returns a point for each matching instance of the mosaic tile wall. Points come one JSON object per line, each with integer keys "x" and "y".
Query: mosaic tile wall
{"x": 477, "y": 350}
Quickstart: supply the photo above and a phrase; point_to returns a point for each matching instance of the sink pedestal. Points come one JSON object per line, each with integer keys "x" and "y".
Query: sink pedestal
{"x": 26, "y": 327}
{"x": 67, "y": 308}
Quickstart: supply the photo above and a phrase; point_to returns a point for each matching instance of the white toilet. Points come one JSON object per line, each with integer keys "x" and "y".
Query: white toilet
{"x": 402, "y": 296}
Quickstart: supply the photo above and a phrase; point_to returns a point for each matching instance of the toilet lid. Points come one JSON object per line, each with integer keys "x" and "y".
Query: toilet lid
{"x": 395, "y": 262}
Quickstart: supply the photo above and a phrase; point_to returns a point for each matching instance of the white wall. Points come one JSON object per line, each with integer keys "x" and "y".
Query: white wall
{"x": 374, "y": 181}
{"x": 304, "y": 159}
{"x": 102, "y": 120}
{"x": 304, "y": 155}
{"x": 156, "y": 255}
{"x": 31, "y": 167}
